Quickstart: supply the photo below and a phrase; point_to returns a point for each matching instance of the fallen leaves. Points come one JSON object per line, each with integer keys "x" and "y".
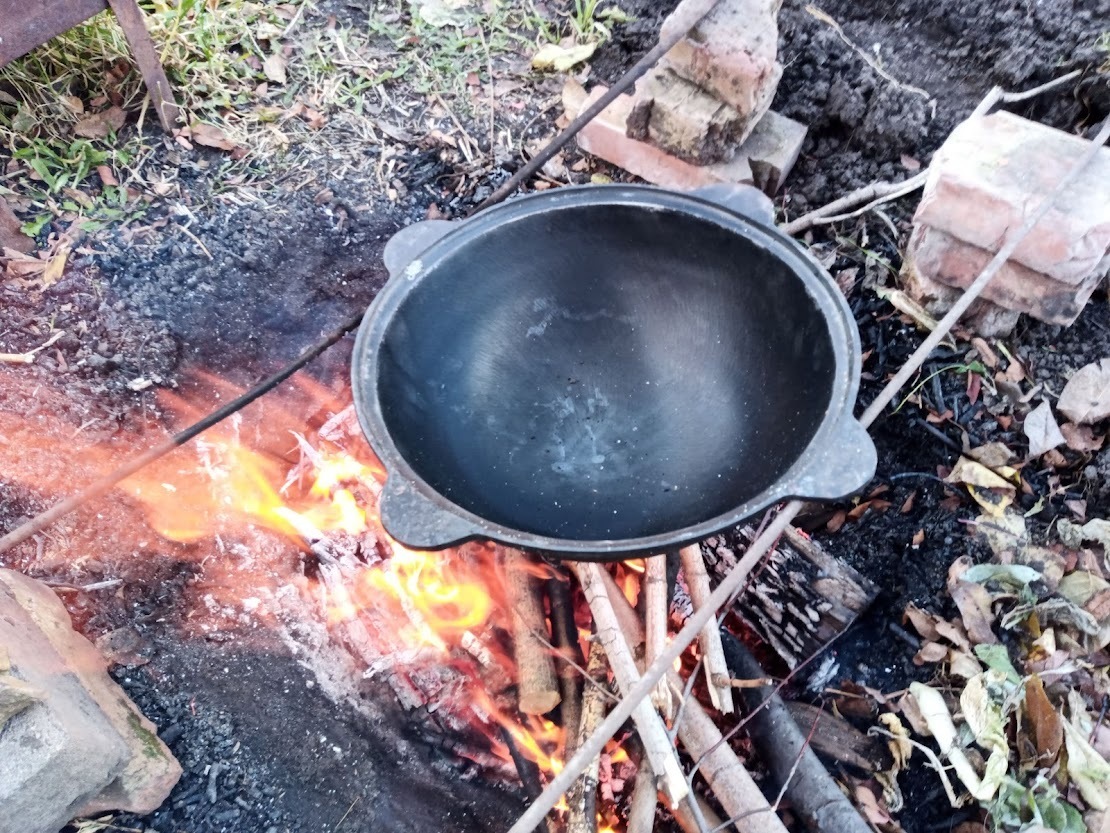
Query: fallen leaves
{"x": 1041, "y": 429}
{"x": 210, "y": 136}
{"x": 553, "y": 57}
{"x": 274, "y": 68}
{"x": 1086, "y": 396}
{"x": 101, "y": 125}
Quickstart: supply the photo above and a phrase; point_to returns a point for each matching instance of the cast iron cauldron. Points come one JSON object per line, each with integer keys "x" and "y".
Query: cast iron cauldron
{"x": 605, "y": 371}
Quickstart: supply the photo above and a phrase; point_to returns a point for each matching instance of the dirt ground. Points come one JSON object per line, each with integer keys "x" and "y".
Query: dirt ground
{"x": 266, "y": 745}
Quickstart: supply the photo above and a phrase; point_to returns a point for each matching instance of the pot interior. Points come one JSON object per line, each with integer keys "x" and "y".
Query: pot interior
{"x": 603, "y": 372}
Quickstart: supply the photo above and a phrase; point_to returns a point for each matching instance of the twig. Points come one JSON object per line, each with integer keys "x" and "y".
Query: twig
{"x": 653, "y": 734}
{"x": 492, "y": 106}
{"x": 29, "y": 356}
{"x": 537, "y": 685}
{"x": 697, "y": 581}
{"x": 997, "y": 95}
{"x": 655, "y": 619}
{"x": 196, "y": 240}
{"x": 871, "y": 62}
{"x": 467, "y": 145}
{"x": 763, "y": 543}
{"x": 694, "y": 13}
{"x": 874, "y": 194}
{"x": 694, "y": 815}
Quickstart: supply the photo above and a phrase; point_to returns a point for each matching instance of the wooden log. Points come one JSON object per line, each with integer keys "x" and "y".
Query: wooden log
{"x": 686, "y": 819}
{"x": 800, "y": 599}
{"x": 713, "y": 656}
{"x": 658, "y": 748}
{"x": 582, "y": 796}
{"x": 656, "y": 606}
{"x": 538, "y": 686}
{"x": 794, "y": 767}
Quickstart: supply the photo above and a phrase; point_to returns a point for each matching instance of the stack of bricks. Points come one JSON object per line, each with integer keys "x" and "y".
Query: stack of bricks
{"x": 702, "y": 115}
{"x": 983, "y": 182}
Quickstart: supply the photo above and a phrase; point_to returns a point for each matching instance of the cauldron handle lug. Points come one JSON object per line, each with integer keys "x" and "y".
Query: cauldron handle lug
{"x": 406, "y": 245}
{"x": 745, "y": 200}
{"x": 417, "y": 521}
{"x": 842, "y": 466}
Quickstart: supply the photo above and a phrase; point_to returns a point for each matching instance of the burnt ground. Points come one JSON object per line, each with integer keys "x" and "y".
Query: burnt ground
{"x": 150, "y": 305}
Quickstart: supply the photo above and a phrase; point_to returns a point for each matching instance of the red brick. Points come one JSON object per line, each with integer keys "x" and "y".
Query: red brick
{"x": 775, "y": 143}
{"x": 993, "y": 170}
{"x": 936, "y": 256}
{"x": 731, "y": 53}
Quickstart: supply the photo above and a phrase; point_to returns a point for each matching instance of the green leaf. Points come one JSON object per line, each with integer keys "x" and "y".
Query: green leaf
{"x": 997, "y": 658}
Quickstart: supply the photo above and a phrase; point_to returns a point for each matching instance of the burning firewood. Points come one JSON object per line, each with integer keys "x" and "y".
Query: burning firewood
{"x": 658, "y": 748}
{"x": 565, "y": 632}
{"x": 713, "y": 656}
{"x": 538, "y": 686}
{"x": 702, "y": 740}
{"x": 655, "y": 617}
{"x": 582, "y": 797}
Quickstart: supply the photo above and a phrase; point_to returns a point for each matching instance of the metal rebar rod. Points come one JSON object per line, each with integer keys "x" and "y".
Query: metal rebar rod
{"x": 96, "y": 489}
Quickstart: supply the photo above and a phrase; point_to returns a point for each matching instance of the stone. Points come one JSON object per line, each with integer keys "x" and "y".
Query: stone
{"x": 84, "y": 748}
{"x": 764, "y": 159}
{"x": 989, "y": 174}
{"x": 731, "y": 53}
{"x": 684, "y": 120}
{"x": 945, "y": 259}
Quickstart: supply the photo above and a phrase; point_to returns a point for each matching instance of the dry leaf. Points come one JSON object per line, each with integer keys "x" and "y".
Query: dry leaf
{"x": 210, "y": 136}
{"x": 1081, "y": 438}
{"x": 56, "y": 265}
{"x": 869, "y": 803}
{"x": 930, "y": 652}
{"x": 553, "y": 57}
{"x": 1048, "y": 729}
{"x": 1086, "y": 396}
{"x": 974, "y": 603}
{"x": 1087, "y": 769}
{"x": 924, "y": 623}
{"x": 972, "y": 473}
{"x": 10, "y": 235}
{"x": 106, "y": 175}
{"x": 1041, "y": 429}
{"x": 99, "y": 125}
{"x": 274, "y": 68}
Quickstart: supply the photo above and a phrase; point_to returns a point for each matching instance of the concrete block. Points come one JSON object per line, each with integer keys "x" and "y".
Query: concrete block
{"x": 943, "y": 258}
{"x": 764, "y": 160}
{"x": 731, "y": 53}
{"x": 992, "y": 171}
{"x": 84, "y": 748}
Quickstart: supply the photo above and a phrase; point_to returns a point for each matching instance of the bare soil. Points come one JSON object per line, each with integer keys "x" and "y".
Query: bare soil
{"x": 237, "y": 701}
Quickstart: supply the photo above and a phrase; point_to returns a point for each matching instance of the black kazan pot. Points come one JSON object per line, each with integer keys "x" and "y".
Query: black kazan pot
{"x": 606, "y": 371}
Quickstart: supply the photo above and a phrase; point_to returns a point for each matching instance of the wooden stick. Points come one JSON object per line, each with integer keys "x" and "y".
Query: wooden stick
{"x": 565, "y": 634}
{"x": 653, "y": 734}
{"x": 130, "y": 19}
{"x": 699, "y": 735}
{"x": 688, "y": 821}
{"x": 873, "y": 194}
{"x": 795, "y": 768}
{"x": 655, "y": 618}
{"x": 538, "y": 687}
{"x": 645, "y": 798}
{"x": 713, "y": 656}
{"x": 582, "y": 798}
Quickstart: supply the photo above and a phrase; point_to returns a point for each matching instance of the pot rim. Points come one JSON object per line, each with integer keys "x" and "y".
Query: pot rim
{"x": 837, "y": 426}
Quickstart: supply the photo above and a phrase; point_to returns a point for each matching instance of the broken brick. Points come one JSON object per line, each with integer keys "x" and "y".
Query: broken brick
{"x": 730, "y": 53}
{"x": 991, "y": 173}
{"x": 764, "y": 159}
